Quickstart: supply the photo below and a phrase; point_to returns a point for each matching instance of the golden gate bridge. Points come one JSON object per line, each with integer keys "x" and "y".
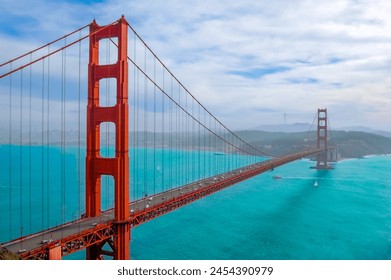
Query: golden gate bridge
{"x": 150, "y": 145}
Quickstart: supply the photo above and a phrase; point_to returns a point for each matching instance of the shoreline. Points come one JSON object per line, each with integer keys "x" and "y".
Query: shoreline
{"x": 74, "y": 145}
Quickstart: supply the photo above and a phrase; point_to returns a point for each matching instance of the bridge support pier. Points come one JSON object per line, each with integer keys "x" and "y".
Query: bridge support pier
{"x": 55, "y": 253}
{"x": 96, "y": 165}
{"x": 94, "y": 252}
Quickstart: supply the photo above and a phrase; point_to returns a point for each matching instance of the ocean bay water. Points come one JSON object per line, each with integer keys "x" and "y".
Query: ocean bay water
{"x": 346, "y": 217}
{"x": 44, "y": 186}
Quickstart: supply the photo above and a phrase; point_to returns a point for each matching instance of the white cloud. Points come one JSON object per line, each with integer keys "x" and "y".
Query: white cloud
{"x": 336, "y": 53}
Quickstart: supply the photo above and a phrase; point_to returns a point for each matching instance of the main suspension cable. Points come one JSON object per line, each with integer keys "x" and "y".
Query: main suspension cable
{"x": 176, "y": 79}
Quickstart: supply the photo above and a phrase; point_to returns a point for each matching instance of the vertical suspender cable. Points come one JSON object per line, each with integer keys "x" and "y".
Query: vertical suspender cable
{"x": 163, "y": 138}
{"x": 204, "y": 145}
{"x": 154, "y": 127}
{"x": 10, "y": 154}
{"x": 215, "y": 166}
{"x": 134, "y": 122}
{"x": 30, "y": 158}
{"x": 206, "y": 137}
{"x": 180, "y": 134}
{"x": 194, "y": 138}
{"x": 78, "y": 136}
{"x": 228, "y": 153}
{"x": 230, "y": 157}
{"x": 47, "y": 141}
{"x": 64, "y": 133}
{"x": 329, "y": 128}
{"x": 178, "y": 140}
{"x": 238, "y": 162}
{"x": 61, "y": 141}
{"x": 138, "y": 177}
{"x": 234, "y": 156}
{"x": 189, "y": 144}
{"x": 199, "y": 143}
{"x": 42, "y": 142}
{"x": 137, "y": 130}
{"x": 186, "y": 143}
{"x": 21, "y": 153}
{"x": 170, "y": 108}
{"x": 214, "y": 148}
{"x": 145, "y": 95}
{"x": 211, "y": 147}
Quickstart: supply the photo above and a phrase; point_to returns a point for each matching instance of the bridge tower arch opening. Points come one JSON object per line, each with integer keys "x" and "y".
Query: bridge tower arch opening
{"x": 117, "y": 166}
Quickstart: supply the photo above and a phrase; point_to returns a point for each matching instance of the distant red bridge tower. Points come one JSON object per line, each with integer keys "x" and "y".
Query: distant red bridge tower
{"x": 322, "y": 140}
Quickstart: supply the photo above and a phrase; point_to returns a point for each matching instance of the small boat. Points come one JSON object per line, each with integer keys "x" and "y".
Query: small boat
{"x": 277, "y": 177}
{"x": 316, "y": 184}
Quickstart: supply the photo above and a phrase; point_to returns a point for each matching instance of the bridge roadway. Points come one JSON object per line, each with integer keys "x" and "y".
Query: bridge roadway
{"x": 85, "y": 232}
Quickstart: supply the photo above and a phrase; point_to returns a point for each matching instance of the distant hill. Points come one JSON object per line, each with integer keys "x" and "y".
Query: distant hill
{"x": 304, "y": 127}
{"x": 367, "y": 129}
{"x": 358, "y": 143}
{"x": 351, "y": 144}
{"x": 295, "y": 127}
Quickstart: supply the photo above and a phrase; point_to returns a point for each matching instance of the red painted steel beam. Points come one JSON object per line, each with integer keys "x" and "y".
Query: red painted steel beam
{"x": 73, "y": 243}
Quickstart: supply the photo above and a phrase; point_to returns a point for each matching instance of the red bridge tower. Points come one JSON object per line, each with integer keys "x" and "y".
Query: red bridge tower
{"x": 322, "y": 140}
{"x": 118, "y": 166}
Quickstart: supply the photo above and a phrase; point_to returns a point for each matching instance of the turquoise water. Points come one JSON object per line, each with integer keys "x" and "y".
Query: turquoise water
{"x": 44, "y": 186}
{"x": 347, "y": 217}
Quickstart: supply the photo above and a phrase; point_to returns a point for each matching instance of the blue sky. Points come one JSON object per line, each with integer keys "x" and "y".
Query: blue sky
{"x": 240, "y": 56}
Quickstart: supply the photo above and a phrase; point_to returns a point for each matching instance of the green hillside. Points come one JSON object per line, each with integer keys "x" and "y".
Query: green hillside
{"x": 350, "y": 144}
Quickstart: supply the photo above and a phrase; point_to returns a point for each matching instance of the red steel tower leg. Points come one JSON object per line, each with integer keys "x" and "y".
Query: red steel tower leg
{"x": 96, "y": 165}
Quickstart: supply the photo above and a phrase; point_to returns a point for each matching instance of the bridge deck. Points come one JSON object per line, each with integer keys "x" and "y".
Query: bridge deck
{"x": 85, "y": 232}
